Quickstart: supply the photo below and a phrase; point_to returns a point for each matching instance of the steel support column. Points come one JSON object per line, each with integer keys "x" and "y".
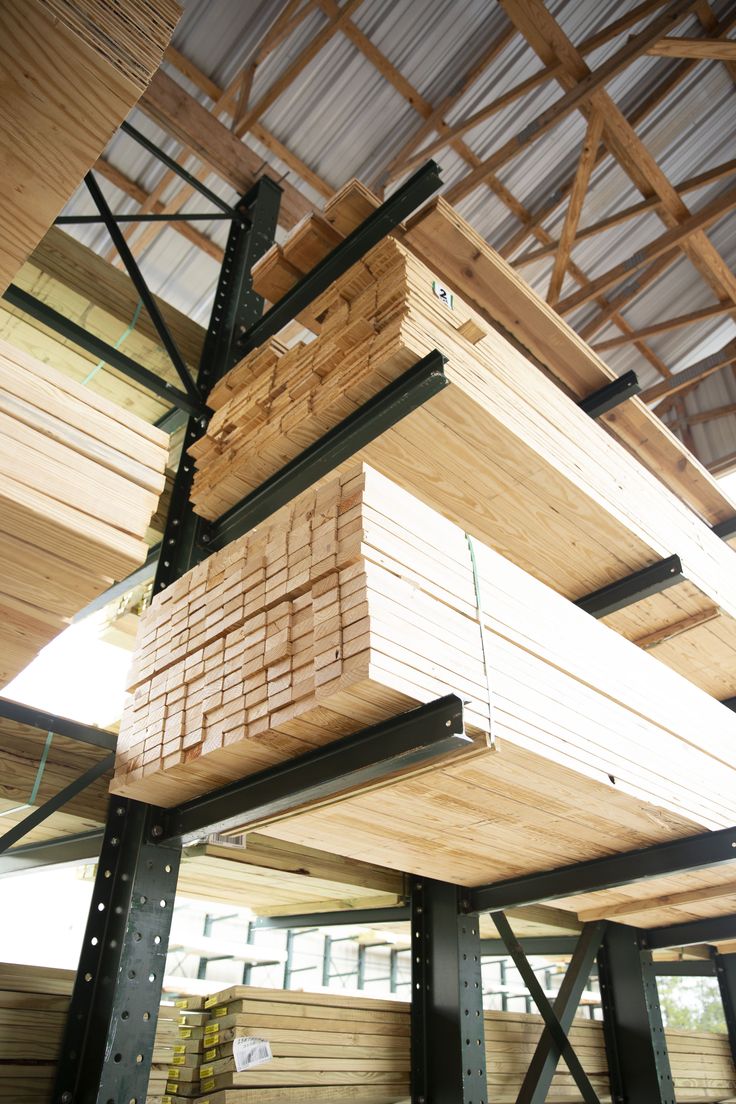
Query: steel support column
{"x": 726, "y": 974}
{"x": 108, "y": 1041}
{"x": 448, "y": 1063}
{"x": 638, "y": 1062}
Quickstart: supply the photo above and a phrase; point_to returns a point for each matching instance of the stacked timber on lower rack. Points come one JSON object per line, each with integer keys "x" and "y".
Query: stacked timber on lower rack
{"x": 357, "y": 601}
{"x": 177, "y": 1051}
{"x": 501, "y": 451}
{"x": 328, "y": 1045}
{"x": 79, "y": 483}
{"x": 33, "y": 1006}
{"x": 702, "y": 1068}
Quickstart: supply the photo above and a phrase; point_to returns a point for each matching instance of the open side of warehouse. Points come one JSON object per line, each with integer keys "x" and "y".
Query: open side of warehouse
{"x": 367, "y": 523}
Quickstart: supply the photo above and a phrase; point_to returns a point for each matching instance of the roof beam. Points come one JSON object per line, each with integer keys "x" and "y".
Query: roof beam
{"x": 710, "y": 176}
{"x": 664, "y": 327}
{"x": 588, "y": 156}
{"x": 704, "y": 49}
{"x": 336, "y": 21}
{"x": 178, "y": 113}
{"x": 579, "y": 91}
{"x": 550, "y": 42}
{"x": 399, "y": 166}
{"x": 693, "y": 375}
{"x": 710, "y": 213}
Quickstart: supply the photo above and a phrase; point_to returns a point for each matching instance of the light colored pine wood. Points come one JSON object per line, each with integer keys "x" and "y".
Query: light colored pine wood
{"x": 541, "y": 482}
{"x": 73, "y": 70}
{"x": 80, "y": 484}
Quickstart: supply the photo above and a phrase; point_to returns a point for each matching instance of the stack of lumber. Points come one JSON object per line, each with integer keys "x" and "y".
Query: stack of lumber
{"x": 470, "y": 267}
{"x": 33, "y": 1006}
{"x": 80, "y": 482}
{"x": 502, "y": 451}
{"x": 177, "y": 1051}
{"x": 72, "y": 71}
{"x": 325, "y": 1047}
{"x": 702, "y": 1067}
{"x": 357, "y": 601}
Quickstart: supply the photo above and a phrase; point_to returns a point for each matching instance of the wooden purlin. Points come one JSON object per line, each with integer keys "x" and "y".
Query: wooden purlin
{"x": 74, "y": 69}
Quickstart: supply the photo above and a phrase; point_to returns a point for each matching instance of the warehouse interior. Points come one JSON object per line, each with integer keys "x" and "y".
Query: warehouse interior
{"x": 368, "y": 499}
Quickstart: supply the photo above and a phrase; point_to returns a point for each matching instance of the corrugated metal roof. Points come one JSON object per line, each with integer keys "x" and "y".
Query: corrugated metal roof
{"x": 343, "y": 118}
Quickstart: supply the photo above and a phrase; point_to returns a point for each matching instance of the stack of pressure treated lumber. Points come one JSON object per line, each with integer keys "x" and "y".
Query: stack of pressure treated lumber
{"x": 33, "y": 1006}
{"x": 72, "y": 70}
{"x": 325, "y": 1047}
{"x": 79, "y": 482}
{"x": 502, "y": 451}
{"x": 177, "y": 1052}
{"x": 701, "y": 1063}
{"x": 357, "y": 601}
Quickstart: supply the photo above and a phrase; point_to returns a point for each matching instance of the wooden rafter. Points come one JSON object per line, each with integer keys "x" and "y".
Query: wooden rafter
{"x": 550, "y": 42}
{"x": 668, "y": 324}
{"x": 709, "y": 214}
{"x": 403, "y": 164}
{"x": 418, "y": 102}
{"x": 579, "y": 91}
{"x": 336, "y": 20}
{"x": 701, "y": 48}
{"x": 264, "y": 136}
{"x": 711, "y": 415}
{"x": 628, "y": 292}
{"x": 225, "y": 100}
{"x": 693, "y": 375}
{"x": 635, "y": 210}
{"x": 638, "y": 115}
{"x": 575, "y": 206}
{"x": 398, "y": 165}
{"x": 633, "y": 907}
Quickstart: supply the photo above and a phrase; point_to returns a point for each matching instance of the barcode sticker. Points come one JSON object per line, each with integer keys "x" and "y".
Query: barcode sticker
{"x": 442, "y": 293}
{"x": 248, "y": 1051}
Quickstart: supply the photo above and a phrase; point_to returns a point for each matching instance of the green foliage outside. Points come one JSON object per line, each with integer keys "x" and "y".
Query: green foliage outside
{"x": 691, "y": 1003}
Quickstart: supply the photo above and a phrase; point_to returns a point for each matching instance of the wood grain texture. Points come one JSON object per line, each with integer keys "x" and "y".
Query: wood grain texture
{"x": 81, "y": 479}
{"x": 72, "y": 71}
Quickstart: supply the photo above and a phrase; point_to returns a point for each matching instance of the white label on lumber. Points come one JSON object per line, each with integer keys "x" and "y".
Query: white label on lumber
{"x": 442, "y": 293}
{"x": 249, "y": 1051}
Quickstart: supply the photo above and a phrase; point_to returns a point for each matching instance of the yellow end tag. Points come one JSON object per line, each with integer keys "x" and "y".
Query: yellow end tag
{"x": 208, "y": 1085}
{"x": 206, "y": 1071}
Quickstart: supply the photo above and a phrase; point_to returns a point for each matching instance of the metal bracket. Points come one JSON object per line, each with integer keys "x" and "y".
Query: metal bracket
{"x": 60, "y": 726}
{"x": 610, "y": 395}
{"x": 692, "y": 853}
{"x": 725, "y": 965}
{"x": 384, "y": 410}
{"x": 406, "y": 199}
{"x": 633, "y": 588}
{"x": 375, "y": 754}
{"x": 39, "y": 815}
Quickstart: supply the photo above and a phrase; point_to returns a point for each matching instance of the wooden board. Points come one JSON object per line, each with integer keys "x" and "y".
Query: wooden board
{"x": 80, "y": 483}
{"x": 501, "y": 451}
{"x": 72, "y": 71}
